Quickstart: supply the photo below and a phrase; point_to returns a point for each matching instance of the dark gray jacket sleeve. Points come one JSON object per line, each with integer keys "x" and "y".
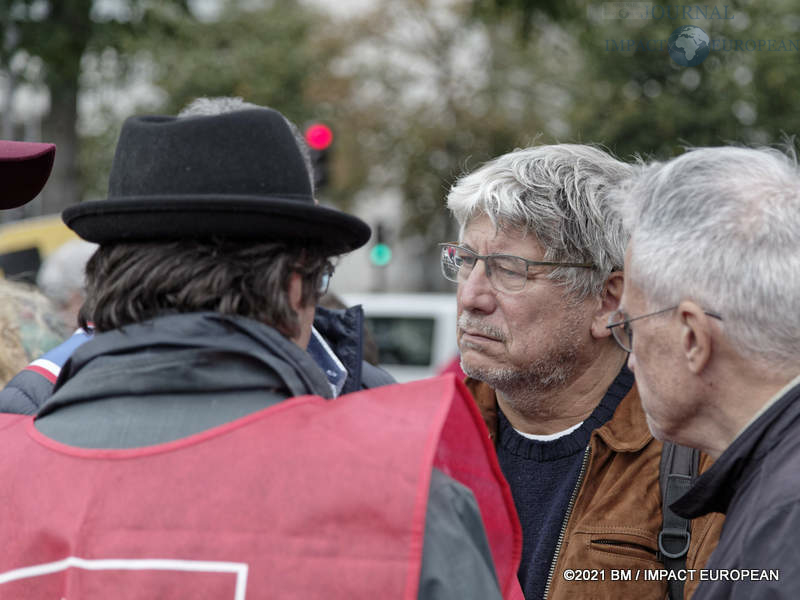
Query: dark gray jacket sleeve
{"x": 25, "y": 393}
{"x": 372, "y": 377}
{"x": 456, "y": 559}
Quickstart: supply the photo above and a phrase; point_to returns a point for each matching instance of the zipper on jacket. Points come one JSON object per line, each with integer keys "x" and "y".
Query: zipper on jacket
{"x": 641, "y": 547}
{"x": 568, "y": 514}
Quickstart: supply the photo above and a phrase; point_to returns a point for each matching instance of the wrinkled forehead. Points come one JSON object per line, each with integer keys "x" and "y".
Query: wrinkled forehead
{"x": 484, "y": 236}
{"x": 500, "y": 226}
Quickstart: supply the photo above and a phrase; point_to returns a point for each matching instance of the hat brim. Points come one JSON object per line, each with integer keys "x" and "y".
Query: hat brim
{"x": 202, "y": 217}
{"x": 24, "y": 169}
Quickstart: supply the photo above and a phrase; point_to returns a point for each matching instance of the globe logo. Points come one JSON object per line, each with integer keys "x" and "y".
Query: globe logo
{"x": 689, "y": 46}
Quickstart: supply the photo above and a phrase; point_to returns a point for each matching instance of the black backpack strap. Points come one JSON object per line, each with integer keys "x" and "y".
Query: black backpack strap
{"x": 678, "y": 470}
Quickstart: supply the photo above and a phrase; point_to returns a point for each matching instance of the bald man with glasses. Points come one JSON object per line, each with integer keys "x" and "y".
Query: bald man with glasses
{"x": 538, "y": 265}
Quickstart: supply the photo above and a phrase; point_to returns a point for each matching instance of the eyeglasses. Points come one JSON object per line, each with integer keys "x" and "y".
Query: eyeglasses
{"x": 620, "y": 325}
{"x": 325, "y": 278}
{"x": 323, "y": 275}
{"x": 505, "y": 272}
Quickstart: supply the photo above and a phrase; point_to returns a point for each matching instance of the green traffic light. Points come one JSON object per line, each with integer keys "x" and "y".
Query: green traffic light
{"x": 380, "y": 255}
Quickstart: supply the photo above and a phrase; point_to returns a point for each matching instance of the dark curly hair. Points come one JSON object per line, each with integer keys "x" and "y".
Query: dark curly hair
{"x": 128, "y": 283}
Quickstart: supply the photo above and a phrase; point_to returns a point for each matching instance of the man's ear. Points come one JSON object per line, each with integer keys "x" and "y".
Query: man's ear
{"x": 608, "y": 304}
{"x": 295, "y": 291}
{"x": 695, "y": 335}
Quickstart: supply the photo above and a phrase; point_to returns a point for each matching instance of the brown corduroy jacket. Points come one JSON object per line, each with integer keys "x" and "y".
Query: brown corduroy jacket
{"x": 612, "y": 529}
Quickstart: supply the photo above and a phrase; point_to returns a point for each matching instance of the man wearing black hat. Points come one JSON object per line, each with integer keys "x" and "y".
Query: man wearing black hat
{"x": 336, "y": 341}
{"x": 189, "y": 449}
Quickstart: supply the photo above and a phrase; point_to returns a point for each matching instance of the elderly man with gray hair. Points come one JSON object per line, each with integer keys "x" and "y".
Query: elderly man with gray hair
{"x": 539, "y": 271}
{"x": 713, "y": 275}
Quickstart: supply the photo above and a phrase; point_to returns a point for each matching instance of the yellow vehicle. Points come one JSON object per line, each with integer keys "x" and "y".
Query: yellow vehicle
{"x": 25, "y": 243}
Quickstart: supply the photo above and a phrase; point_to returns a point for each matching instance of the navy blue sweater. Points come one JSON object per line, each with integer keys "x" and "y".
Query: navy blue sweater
{"x": 542, "y": 476}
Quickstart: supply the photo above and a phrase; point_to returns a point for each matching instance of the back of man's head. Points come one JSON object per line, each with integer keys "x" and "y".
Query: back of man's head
{"x": 721, "y": 227}
{"x": 215, "y": 217}
{"x": 560, "y": 195}
{"x": 137, "y": 281}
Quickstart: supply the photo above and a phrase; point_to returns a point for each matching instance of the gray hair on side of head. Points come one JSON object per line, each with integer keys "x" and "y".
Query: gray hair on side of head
{"x": 721, "y": 226}
{"x": 208, "y": 107}
{"x": 62, "y": 272}
{"x": 559, "y": 194}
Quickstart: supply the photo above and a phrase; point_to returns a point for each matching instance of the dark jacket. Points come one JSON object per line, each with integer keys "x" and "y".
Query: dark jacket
{"x": 342, "y": 329}
{"x": 756, "y": 483}
{"x": 344, "y": 332}
{"x": 178, "y": 375}
{"x": 28, "y": 389}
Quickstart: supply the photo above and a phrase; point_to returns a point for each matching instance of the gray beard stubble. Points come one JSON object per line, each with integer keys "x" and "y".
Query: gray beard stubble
{"x": 527, "y": 389}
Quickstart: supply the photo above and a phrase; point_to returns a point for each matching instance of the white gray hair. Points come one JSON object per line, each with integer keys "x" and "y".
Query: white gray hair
{"x": 208, "y": 107}
{"x": 62, "y": 272}
{"x": 560, "y": 194}
{"x": 721, "y": 227}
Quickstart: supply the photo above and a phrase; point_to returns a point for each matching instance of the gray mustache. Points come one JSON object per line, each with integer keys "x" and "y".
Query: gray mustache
{"x": 467, "y": 322}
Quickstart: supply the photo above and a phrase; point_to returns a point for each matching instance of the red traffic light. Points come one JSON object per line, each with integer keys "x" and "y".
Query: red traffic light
{"x": 319, "y": 136}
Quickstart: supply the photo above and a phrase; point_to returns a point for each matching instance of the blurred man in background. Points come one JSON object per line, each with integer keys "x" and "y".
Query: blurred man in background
{"x": 711, "y": 290}
{"x": 30, "y": 325}
{"x": 174, "y": 457}
{"x": 539, "y": 271}
{"x": 61, "y": 278}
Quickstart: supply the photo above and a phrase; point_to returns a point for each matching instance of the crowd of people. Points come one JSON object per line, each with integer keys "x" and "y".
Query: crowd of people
{"x": 213, "y": 431}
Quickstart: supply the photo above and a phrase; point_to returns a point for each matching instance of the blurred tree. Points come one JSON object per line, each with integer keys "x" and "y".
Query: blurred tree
{"x": 55, "y": 37}
{"x": 273, "y": 53}
{"x": 528, "y": 11}
{"x": 436, "y": 94}
{"x": 268, "y": 53}
{"x": 641, "y": 101}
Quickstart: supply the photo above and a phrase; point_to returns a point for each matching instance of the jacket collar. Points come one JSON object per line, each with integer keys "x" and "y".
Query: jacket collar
{"x": 626, "y": 431}
{"x": 715, "y": 489}
{"x": 342, "y": 330}
{"x": 220, "y": 337}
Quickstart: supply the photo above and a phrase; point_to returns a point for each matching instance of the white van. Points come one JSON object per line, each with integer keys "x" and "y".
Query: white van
{"x": 415, "y": 333}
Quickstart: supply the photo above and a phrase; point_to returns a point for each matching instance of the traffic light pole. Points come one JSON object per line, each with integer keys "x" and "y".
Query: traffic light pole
{"x": 380, "y": 256}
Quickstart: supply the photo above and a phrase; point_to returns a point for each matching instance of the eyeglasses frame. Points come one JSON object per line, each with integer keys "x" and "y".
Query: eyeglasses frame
{"x": 325, "y": 280}
{"x": 528, "y": 263}
{"x": 325, "y": 275}
{"x": 613, "y": 326}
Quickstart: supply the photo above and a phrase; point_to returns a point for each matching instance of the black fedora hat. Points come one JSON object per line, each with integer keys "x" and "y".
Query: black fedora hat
{"x": 237, "y": 175}
{"x": 24, "y": 169}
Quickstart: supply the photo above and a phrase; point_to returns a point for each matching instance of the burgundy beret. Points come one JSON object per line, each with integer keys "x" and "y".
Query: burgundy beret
{"x": 24, "y": 169}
